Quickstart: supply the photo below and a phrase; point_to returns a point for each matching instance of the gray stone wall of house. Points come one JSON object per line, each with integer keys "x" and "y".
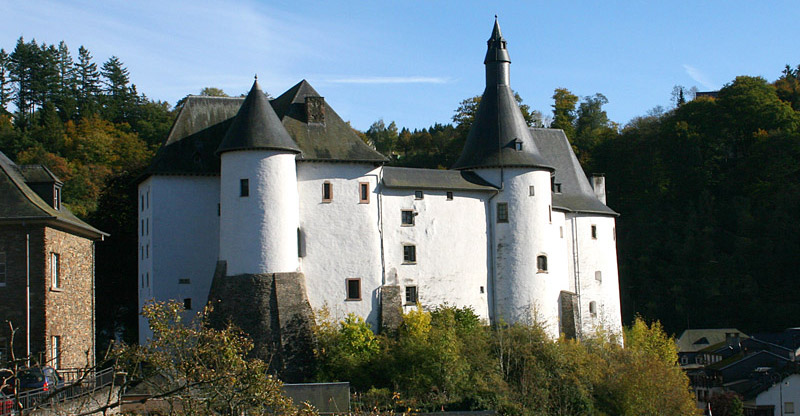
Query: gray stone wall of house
{"x": 273, "y": 309}
{"x": 70, "y": 307}
{"x": 569, "y": 314}
{"x": 391, "y": 307}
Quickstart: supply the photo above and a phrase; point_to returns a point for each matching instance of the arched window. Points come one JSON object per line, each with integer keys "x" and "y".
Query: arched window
{"x": 541, "y": 263}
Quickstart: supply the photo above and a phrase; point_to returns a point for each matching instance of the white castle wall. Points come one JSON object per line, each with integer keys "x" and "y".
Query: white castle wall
{"x": 523, "y": 293}
{"x": 596, "y": 255}
{"x": 181, "y": 229}
{"x": 340, "y": 238}
{"x": 258, "y": 233}
{"x": 450, "y": 237}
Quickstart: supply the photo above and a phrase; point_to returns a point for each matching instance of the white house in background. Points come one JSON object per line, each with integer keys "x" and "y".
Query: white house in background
{"x": 514, "y": 230}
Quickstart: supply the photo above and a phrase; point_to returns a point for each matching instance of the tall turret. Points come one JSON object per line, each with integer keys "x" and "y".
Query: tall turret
{"x": 528, "y": 268}
{"x": 259, "y": 211}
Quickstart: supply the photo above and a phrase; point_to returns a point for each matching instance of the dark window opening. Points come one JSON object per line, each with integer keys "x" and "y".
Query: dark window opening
{"x": 301, "y": 243}
{"x": 327, "y": 192}
{"x": 409, "y": 254}
{"x": 531, "y": 191}
{"x": 593, "y": 308}
{"x": 244, "y": 187}
{"x": 518, "y": 145}
{"x": 353, "y": 289}
{"x": 363, "y": 190}
{"x": 557, "y": 188}
{"x": 184, "y": 281}
{"x": 482, "y": 290}
{"x": 541, "y": 263}
{"x": 187, "y": 304}
{"x": 411, "y": 295}
{"x": 502, "y": 212}
{"x": 449, "y": 196}
{"x": 418, "y": 195}
{"x": 407, "y": 217}
{"x": 594, "y": 232}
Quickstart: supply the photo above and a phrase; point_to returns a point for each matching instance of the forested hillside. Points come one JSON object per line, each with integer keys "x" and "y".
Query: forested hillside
{"x": 707, "y": 191}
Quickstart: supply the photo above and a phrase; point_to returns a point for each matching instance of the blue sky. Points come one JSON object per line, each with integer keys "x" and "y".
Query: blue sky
{"x": 414, "y": 61}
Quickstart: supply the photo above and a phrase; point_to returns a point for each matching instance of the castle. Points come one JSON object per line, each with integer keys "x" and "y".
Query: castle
{"x": 276, "y": 208}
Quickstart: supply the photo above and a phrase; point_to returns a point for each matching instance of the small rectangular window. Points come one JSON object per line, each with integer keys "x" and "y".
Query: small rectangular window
{"x": 561, "y": 231}
{"x": 55, "y": 351}
{"x": 327, "y": 192}
{"x": 363, "y": 192}
{"x": 557, "y": 188}
{"x": 594, "y": 232}
{"x": 407, "y": 217}
{"x": 614, "y": 231}
{"x": 411, "y": 295}
{"x": 593, "y": 308}
{"x": 142, "y": 227}
{"x": 55, "y": 278}
{"x": 301, "y": 243}
{"x": 788, "y": 407}
{"x": 57, "y": 198}
{"x": 244, "y": 187}
{"x": 147, "y": 226}
{"x": 142, "y": 202}
{"x": 184, "y": 281}
{"x": 449, "y": 196}
{"x": 409, "y": 254}
{"x": 147, "y": 199}
{"x": 502, "y": 212}
{"x": 418, "y": 195}
{"x": 541, "y": 264}
{"x": 482, "y": 289}
{"x": 550, "y": 213}
{"x": 353, "y": 289}
{"x": 531, "y": 191}
{"x": 147, "y": 275}
{"x": 219, "y": 209}
{"x": 187, "y": 304}
{"x": 147, "y": 251}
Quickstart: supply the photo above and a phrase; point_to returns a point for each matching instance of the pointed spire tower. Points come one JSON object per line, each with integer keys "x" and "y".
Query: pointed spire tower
{"x": 499, "y": 136}
{"x": 259, "y": 204}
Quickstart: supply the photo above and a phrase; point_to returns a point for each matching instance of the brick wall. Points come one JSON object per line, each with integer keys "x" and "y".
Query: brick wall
{"x": 70, "y": 308}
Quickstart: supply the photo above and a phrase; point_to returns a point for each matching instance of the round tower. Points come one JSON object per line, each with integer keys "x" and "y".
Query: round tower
{"x": 259, "y": 208}
{"x": 525, "y": 277}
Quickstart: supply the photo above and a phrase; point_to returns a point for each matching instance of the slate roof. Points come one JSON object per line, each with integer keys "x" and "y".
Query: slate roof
{"x": 256, "y": 126}
{"x": 498, "y": 122}
{"x": 202, "y": 122}
{"x": 450, "y": 180}
{"x": 333, "y": 140}
{"x": 38, "y": 174}
{"x": 688, "y": 341}
{"x": 576, "y": 193}
{"x": 18, "y": 202}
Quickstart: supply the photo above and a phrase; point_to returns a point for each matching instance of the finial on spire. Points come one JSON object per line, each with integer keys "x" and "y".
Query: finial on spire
{"x": 495, "y": 17}
{"x": 256, "y": 77}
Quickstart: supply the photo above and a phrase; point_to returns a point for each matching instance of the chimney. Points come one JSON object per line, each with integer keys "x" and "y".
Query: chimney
{"x": 315, "y": 110}
{"x": 598, "y": 181}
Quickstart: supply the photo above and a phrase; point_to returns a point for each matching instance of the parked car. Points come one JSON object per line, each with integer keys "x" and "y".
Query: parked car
{"x": 7, "y": 407}
{"x": 45, "y": 378}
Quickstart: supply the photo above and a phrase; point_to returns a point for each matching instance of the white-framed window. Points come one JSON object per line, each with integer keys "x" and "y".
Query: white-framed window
{"x": 409, "y": 253}
{"x": 363, "y": 192}
{"x": 57, "y": 198}
{"x": 411, "y": 295}
{"x": 55, "y": 276}
{"x": 353, "y": 288}
{"x": 502, "y": 212}
{"x": 55, "y": 351}
{"x": 327, "y": 192}
{"x": 244, "y": 187}
{"x": 2, "y": 268}
{"x": 407, "y": 218}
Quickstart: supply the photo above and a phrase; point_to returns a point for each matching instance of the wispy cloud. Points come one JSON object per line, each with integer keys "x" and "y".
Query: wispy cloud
{"x": 700, "y": 77}
{"x": 390, "y": 80}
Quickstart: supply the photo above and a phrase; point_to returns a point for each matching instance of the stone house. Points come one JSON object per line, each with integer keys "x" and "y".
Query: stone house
{"x": 46, "y": 271}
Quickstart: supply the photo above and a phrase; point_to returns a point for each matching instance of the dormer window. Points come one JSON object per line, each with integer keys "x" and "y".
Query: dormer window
{"x": 517, "y": 143}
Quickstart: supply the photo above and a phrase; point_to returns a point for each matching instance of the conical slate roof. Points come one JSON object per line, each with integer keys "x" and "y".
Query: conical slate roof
{"x": 499, "y": 135}
{"x": 256, "y": 126}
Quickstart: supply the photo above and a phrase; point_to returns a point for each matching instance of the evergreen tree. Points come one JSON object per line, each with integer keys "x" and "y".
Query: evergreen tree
{"x": 118, "y": 95}
{"x": 88, "y": 84}
{"x": 5, "y": 81}
{"x": 66, "y": 93}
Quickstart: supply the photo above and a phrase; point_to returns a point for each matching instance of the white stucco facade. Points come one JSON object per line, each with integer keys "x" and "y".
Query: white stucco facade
{"x": 784, "y": 395}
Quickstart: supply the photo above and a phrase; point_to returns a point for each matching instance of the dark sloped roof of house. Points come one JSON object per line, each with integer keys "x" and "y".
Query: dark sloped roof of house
{"x": 331, "y": 140}
{"x": 18, "y": 202}
{"x": 576, "y": 193}
{"x": 498, "y": 122}
{"x": 201, "y": 112}
{"x": 38, "y": 174}
{"x": 256, "y": 126}
{"x": 451, "y": 180}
